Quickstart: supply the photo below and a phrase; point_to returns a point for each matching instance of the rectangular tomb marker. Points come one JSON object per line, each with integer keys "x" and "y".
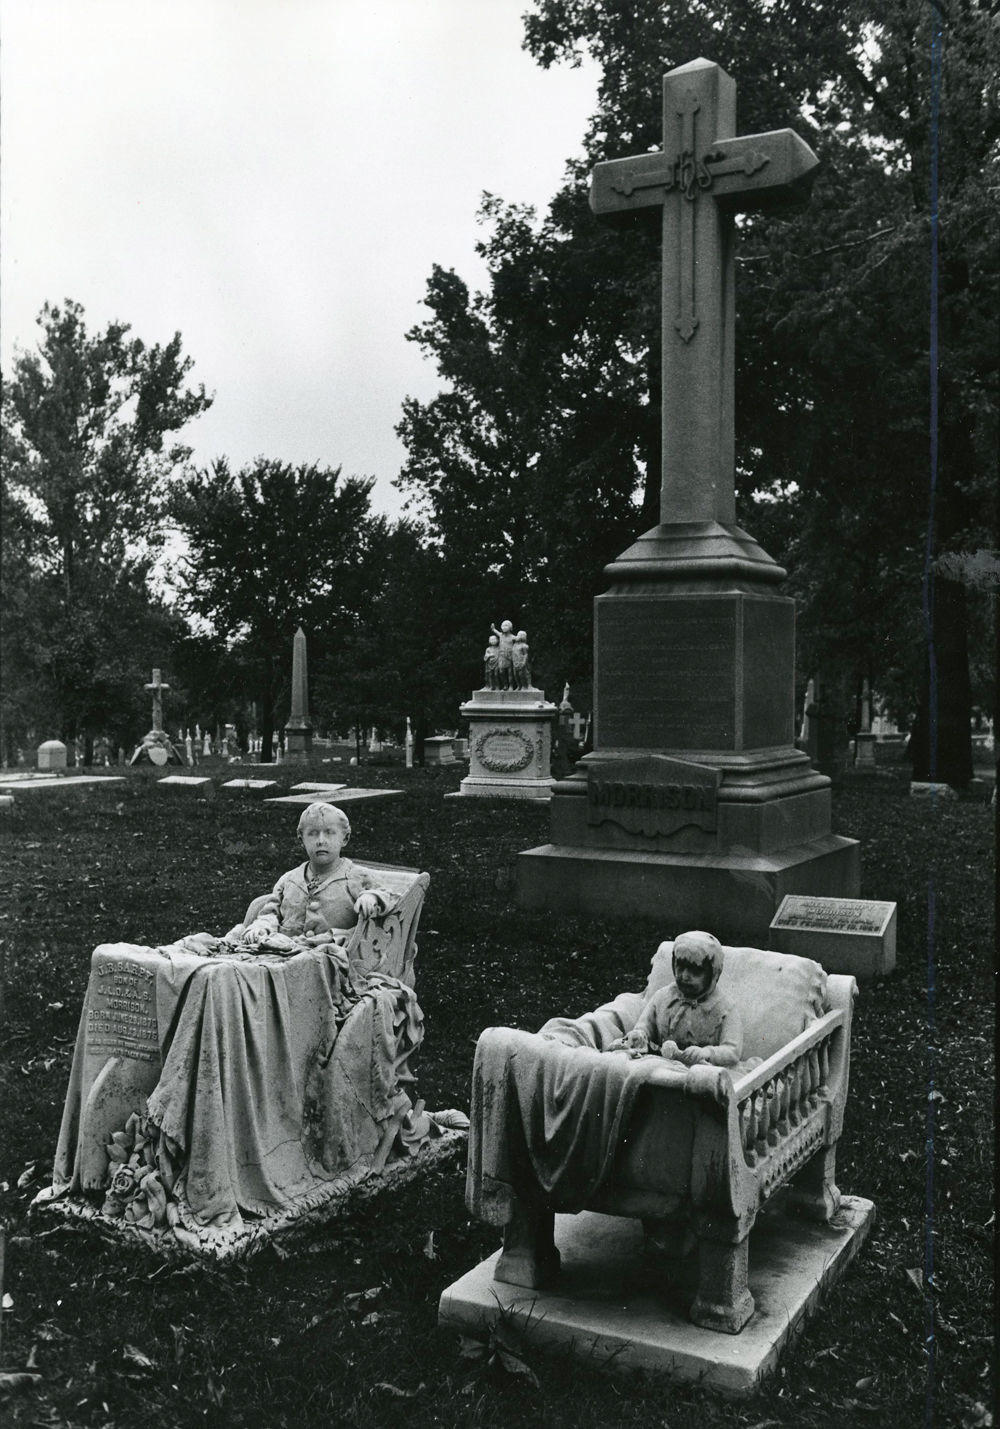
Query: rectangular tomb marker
{"x": 845, "y": 935}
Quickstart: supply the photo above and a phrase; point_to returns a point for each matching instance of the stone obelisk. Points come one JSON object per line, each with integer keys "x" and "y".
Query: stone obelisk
{"x": 695, "y": 806}
{"x": 299, "y": 730}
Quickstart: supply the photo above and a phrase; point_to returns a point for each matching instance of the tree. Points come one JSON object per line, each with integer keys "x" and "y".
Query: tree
{"x": 272, "y": 547}
{"x": 86, "y": 422}
{"x": 836, "y": 343}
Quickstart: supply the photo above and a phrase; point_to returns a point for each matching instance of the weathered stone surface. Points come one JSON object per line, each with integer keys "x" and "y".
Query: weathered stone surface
{"x": 439, "y": 749}
{"x": 199, "y": 787}
{"x": 694, "y": 648}
{"x": 510, "y": 744}
{"x": 51, "y": 755}
{"x": 610, "y": 1305}
{"x": 845, "y": 935}
{"x": 256, "y": 788}
{"x": 344, "y": 796}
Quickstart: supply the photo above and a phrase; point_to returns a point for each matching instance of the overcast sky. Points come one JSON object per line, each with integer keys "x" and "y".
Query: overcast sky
{"x": 275, "y": 179}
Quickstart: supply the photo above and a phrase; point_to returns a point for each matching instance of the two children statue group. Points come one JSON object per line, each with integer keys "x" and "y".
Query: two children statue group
{"x": 506, "y": 659}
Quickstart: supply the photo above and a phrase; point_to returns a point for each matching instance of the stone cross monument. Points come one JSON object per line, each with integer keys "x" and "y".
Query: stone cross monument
{"x": 155, "y": 746}
{"x": 695, "y": 799}
{"x": 298, "y": 730}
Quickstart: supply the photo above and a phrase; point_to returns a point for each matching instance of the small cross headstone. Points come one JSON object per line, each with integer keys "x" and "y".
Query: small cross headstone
{"x": 578, "y": 726}
{"x": 157, "y": 688}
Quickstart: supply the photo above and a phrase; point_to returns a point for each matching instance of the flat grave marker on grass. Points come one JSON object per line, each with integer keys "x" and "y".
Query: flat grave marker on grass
{"x": 344, "y": 796}
{"x": 200, "y": 787}
{"x": 846, "y": 935}
{"x": 322, "y": 788}
{"x": 17, "y": 783}
{"x": 255, "y": 787}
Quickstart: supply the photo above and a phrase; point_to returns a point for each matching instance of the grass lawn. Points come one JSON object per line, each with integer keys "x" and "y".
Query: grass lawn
{"x": 906, "y": 1338}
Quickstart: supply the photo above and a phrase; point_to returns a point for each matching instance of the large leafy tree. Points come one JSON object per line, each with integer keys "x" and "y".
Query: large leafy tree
{"x": 851, "y": 315}
{"x": 271, "y": 547}
{"x": 88, "y": 422}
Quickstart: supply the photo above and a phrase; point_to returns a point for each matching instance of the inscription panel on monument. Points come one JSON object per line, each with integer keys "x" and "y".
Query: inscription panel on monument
{"x": 768, "y": 672}
{"x": 653, "y": 795}
{"x": 121, "y": 1012}
{"x": 665, "y": 672}
{"x": 833, "y": 915}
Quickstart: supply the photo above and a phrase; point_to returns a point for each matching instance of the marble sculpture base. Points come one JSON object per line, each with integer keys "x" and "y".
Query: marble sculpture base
{"x": 510, "y": 745}
{"x": 610, "y": 1305}
{"x": 329, "y": 1203}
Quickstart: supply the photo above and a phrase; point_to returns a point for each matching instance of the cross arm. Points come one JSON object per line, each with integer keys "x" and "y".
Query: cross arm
{"x": 758, "y": 171}
{"x": 621, "y": 188}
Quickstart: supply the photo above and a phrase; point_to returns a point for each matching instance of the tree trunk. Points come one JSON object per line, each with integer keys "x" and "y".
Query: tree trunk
{"x": 941, "y": 741}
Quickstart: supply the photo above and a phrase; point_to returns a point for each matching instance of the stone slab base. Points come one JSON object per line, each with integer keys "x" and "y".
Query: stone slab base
{"x": 734, "y": 895}
{"x": 343, "y": 796}
{"x": 610, "y": 1306}
{"x": 58, "y": 781}
{"x": 537, "y": 789}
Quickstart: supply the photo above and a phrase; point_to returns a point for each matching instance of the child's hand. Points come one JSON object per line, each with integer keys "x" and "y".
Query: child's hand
{"x": 670, "y": 1050}
{"x": 366, "y": 906}
{"x": 691, "y": 1056}
{"x": 259, "y": 929}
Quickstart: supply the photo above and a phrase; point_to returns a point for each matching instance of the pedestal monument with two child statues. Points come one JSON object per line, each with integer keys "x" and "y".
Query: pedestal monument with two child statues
{"x": 695, "y": 802}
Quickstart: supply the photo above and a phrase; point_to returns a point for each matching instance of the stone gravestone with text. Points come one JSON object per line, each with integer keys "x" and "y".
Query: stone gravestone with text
{"x": 845, "y": 935}
{"x": 714, "y": 813}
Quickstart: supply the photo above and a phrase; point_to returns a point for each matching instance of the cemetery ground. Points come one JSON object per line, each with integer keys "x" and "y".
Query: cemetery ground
{"x": 341, "y": 1327}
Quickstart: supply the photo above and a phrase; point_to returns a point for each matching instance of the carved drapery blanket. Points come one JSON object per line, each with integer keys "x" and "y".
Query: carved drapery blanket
{"x": 260, "y": 1080}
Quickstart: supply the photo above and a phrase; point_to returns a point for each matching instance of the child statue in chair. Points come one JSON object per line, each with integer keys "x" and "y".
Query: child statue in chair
{"x": 320, "y": 901}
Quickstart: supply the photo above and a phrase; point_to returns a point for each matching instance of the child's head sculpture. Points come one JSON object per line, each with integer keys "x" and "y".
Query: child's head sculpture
{"x": 697, "y": 964}
{"x": 324, "y": 830}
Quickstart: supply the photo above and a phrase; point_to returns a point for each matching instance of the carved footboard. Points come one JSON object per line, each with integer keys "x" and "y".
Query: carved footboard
{"x": 791, "y": 1108}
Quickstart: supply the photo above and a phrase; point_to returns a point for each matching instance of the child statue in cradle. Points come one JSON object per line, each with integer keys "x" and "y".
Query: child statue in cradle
{"x": 689, "y": 1021}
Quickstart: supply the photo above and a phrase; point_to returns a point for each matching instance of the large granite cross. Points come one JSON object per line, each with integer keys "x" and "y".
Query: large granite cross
{"x": 700, "y": 179}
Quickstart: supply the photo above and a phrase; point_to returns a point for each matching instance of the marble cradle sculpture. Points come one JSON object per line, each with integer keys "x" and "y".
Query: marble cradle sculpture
{"x": 562, "y": 1124}
{"x": 226, "y": 1090}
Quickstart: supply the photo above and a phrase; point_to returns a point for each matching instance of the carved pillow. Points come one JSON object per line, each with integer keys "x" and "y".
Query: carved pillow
{"x": 777, "y": 994}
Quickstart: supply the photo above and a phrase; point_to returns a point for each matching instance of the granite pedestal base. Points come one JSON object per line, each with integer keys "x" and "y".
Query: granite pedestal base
{"x": 734, "y": 895}
{"x": 614, "y": 1306}
{"x": 510, "y": 745}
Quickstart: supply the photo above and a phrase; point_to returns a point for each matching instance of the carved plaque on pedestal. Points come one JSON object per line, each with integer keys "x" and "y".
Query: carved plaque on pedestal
{"x": 653, "y": 795}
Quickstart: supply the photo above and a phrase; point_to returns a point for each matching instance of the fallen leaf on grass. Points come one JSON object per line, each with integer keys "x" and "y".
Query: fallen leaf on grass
{"x": 136, "y": 1356}
{"x": 916, "y": 1278}
{"x": 429, "y": 1250}
{"x": 865, "y": 1383}
{"x": 372, "y": 1319}
{"x": 26, "y": 1175}
{"x": 6, "y": 1303}
{"x": 12, "y": 1382}
{"x": 398, "y": 1393}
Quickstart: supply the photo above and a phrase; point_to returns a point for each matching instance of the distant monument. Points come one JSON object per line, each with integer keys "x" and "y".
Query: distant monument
{"x": 155, "y": 747}
{"x": 510, "y": 724}
{"x": 695, "y": 803}
{"x": 299, "y": 730}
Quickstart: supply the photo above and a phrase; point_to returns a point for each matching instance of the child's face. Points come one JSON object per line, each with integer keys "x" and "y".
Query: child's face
{"x": 323, "y": 840}
{"x": 693, "y": 979}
